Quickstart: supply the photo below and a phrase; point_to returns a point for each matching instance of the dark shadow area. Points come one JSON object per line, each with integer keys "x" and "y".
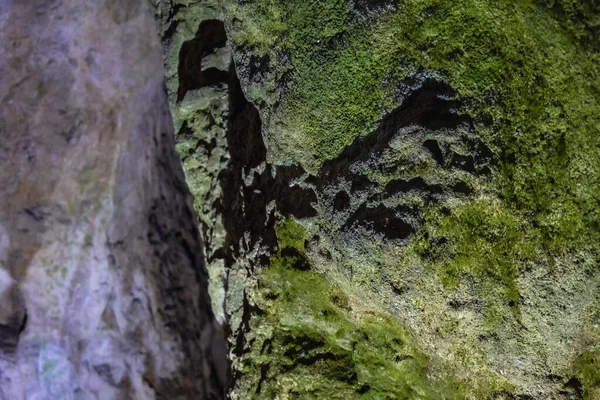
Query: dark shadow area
{"x": 210, "y": 36}
{"x": 432, "y": 106}
{"x": 244, "y": 201}
{"x": 381, "y": 219}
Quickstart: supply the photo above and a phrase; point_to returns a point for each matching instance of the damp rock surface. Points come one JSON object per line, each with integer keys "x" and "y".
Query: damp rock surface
{"x": 103, "y": 283}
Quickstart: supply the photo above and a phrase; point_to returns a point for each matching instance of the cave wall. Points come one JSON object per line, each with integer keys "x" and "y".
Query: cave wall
{"x": 430, "y": 174}
{"x": 103, "y": 283}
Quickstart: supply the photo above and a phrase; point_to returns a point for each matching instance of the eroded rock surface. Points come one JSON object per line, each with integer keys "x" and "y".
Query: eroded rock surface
{"x": 398, "y": 199}
{"x": 103, "y": 283}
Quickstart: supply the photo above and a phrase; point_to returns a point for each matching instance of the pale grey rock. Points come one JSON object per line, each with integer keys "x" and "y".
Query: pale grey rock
{"x": 103, "y": 286}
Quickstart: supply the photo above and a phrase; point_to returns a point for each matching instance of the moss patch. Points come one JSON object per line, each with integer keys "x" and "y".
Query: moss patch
{"x": 526, "y": 71}
{"x": 485, "y": 240}
{"x": 308, "y": 342}
{"x": 587, "y": 368}
{"x": 520, "y": 67}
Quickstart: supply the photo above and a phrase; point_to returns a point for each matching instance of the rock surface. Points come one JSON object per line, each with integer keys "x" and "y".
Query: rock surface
{"x": 419, "y": 216}
{"x": 103, "y": 283}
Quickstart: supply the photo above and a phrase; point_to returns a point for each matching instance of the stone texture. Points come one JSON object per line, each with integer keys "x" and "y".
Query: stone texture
{"x": 444, "y": 160}
{"x": 102, "y": 276}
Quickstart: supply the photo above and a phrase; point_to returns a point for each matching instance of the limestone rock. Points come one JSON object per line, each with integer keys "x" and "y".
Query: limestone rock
{"x": 103, "y": 283}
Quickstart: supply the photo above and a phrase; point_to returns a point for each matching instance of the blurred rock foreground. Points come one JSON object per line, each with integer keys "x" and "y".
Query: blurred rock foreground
{"x": 103, "y": 287}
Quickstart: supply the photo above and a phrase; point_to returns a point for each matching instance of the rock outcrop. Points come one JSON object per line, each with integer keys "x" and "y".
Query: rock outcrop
{"x": 418, "y": 217}
{"x": 103, "y": 285}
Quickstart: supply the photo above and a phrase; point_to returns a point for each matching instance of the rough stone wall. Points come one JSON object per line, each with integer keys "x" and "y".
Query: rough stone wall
{"x": 449, "y": 147}
{"x": 443, "y": 239}
{"x": 103, "y": 283}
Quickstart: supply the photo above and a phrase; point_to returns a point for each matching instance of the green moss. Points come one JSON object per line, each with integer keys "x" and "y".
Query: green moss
{"x": 587, "y": 369}
{"x": 527, "y": 71}
{"x": 308, "y": 343}
{"x": 518, "y": 65}
{"x": 291, "y": 234}
{"x": 582, "y": 19}
{"x": 486, "y": 240}
{"x": 339, "y": 297}
{"x": 526, "y": 68}
{"x": 345, "y": 68}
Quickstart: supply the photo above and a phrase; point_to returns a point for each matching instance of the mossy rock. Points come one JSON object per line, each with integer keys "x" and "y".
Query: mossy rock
{"x": 486, "y": 295}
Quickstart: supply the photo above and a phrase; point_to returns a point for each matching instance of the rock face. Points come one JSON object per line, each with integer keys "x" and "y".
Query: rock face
{"x": 103, "y": 284}
{"x": 418, "y": 217}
